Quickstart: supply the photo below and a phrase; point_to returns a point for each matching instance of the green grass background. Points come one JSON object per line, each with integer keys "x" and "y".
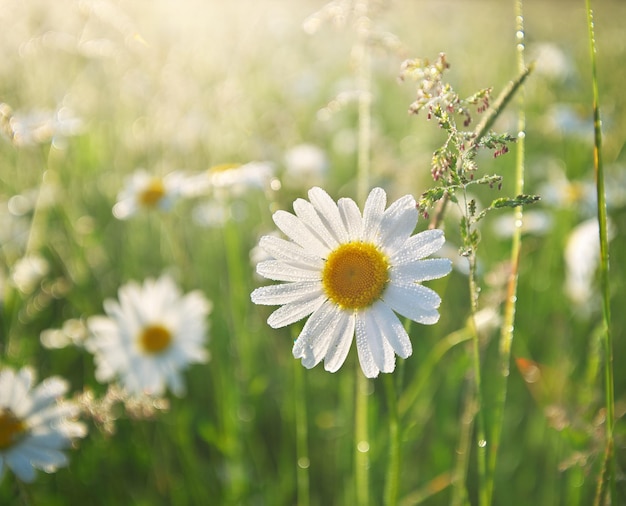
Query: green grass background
{"x": 187, "y": 85}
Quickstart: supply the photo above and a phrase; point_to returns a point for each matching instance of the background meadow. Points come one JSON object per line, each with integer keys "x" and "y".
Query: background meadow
{"x": 186, "y": 86}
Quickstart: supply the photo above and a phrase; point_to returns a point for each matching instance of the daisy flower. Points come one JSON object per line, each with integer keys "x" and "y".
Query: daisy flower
{"x": 350, "y": 272}
{"x": 35, "y": 424}
{"x": 149, "y": 336}
{"x": 144, "y": 191}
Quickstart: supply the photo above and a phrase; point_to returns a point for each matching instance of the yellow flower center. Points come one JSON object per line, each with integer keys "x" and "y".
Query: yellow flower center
{"x": 223, "y": 167}
{"x": 154, "y": 339}
{"x": 355, "y": 275}
{"x": 11, "y": 428}
{"x": 152, "y": 194}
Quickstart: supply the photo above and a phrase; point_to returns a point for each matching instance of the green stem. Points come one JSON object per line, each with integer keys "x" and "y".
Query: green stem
{"x": 393, "y": 468}
{"x": 364, "y": 69}
{"x": 481, "y": 442}
{"x": 302, "y": 445}
{"x": 241, "y": 358}
{"x": 607, "y": 479}
{"x": 508, "y": 324}
{"x": 361, "y": 439}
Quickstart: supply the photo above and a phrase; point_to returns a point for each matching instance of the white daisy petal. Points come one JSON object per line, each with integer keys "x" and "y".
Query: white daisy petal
{"x": 340, "y": 346}
{"x": 413, "y": 301}
{"x": 290, "y": 252}
{"x": 329, "y": 213}
{"x": 351, "y": 218}
{"x": 366, "y": 359}
{"x": 317, "y": 334}
{"x": 420, "y": 270}
{"x": 286, "y": 292}
{"x": 382, "y": 351}
{"x": 310, "y": 217}
{"x": 398, "y": 223}
{"x": 295, "y": 311}
{"x": 419, "y": 246}
{"x": 280, "y": 271}
{"x": 392, "y": 330}
{"x": 373, "y": 214}
{"x": 298, "y": 232}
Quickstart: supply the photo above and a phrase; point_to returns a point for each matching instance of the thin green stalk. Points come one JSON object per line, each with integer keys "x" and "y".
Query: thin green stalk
{"x": 241, "y": 357}
{"x": 607, "y": 479}
{"x": 481, "y": 442}
{"x": 364, "y": 70}
{"x": 361, "y": 440}
{"x": 302, "y": 444}
{"x": 508, "y": 323}
{"x": 392, "y": 482}
{"x": 459, "y": 480}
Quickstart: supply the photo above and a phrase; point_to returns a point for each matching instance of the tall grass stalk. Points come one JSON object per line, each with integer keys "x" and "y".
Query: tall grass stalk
{"x": 242, "y": 360}
{"x": 481, "y": 441}
{"x": 508, "y": 321}
{"x": 364, "y": 78}
{"x": 606, "y": 482}
{"x": 302, "y": 435}
{"x": 392, "y": 482}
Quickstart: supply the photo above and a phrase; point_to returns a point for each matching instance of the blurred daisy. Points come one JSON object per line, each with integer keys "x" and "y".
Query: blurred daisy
{"x": 28, "y": 272}
{"x": 35, "y": 424}
{"x": 350, "y": 272}
{"x": 149, "y": 336}
{"x": 305, "y": 165}
{"x": 42, "y": 126}
{"x": 146, "y": 191}
{"x": 534, "y": 222}
{"x": 231, "y": 180}
{"x": 582, "y": 258}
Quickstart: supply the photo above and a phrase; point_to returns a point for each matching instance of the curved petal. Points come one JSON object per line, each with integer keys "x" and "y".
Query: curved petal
{"x": 295, "y": 311}
{"x": 317, "y": 334}
{"x": 297, "y": 231}
{"x": 373, "y": 214}
{"x": 290, "y": 252}
{"x": 392, "y": 330}
{"x": 382, "y": 352}
{"x": 310, "y": 217}
{"x": 413, "y": 301}
{"x": 351, "y": 218}
{"x": 420, "y": 270}
{"x": 274, "y": 295}
{"x": 340, "y": 346}
{"x": 366, "y": 359}
{"x": 280, "y": 271}
{"x": 398, "y": 223}
{"x": 419, "y": 246}
{"x": 329, "y": 213}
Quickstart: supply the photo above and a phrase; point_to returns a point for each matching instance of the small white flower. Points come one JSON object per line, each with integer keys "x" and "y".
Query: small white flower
{"x": 533, "y": 222}
{"x": 350, "y": 272}
{"x": 35, "y": 424}
{"x": 149, "y": 336}
{"x": 146, "y": 191}
{"x": 231, "y": 180}
{"x": 582, "y": 257}
{"x": 43, "y": 126}
{"x": 28, "y": 272}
